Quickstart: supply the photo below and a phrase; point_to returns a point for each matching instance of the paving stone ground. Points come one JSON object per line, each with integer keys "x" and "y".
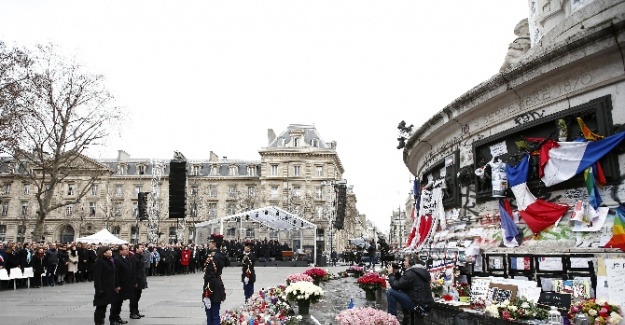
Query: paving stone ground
{"x": 168, "y": 300}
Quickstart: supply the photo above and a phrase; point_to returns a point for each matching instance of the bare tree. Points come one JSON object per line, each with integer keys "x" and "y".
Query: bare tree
{"x": 68, "y": 110}
{"x": 14, "y": 66}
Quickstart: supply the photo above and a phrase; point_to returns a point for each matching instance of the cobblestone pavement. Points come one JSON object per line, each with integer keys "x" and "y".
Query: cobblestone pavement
{"x": 168, "y": 300}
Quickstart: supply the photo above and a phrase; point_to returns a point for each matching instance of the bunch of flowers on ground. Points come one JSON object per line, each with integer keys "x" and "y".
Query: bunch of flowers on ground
{"x": 371, "y": 281}
{"x": 521, "y": 308}
{"x": 599, "y": 311}
{"x": 477, "y": 303}
{"x": 318, "y": 274}
{"x": 263, "y": 307}
{"x": 356, "y": 268}
{"x": 437, "y": 287}
{"x": 303, "y": 291}
{"x": 297, "y": 277}
{"x": 366, "y": 316}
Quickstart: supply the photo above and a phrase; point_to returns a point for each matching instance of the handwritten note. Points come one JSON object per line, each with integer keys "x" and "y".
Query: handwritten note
{"x": 498, "y": 149}
{"x": 616, "y": 280}
{"x": 479, "y": 288}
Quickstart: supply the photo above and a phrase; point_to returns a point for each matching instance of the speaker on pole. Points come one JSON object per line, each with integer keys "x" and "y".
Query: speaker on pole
{"x": 177, "y": 188}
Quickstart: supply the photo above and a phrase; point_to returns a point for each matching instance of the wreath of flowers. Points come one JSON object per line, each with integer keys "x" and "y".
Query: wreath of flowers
{"x": 521, "y": 308}
{"x": 263, "y": 307}
{"x": 599, "y": 311}
{"x": 365, "y": 316}
{"x": 303, "y": 290}
{"x": 371, "y": 281}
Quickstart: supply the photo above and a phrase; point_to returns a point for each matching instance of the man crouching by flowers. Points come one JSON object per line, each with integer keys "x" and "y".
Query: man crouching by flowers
{"x": 412, "y": 289}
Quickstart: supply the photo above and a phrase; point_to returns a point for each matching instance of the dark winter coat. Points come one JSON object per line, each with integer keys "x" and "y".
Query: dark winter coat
{"x": 247, "y": 263}
{"x": 213, "y": 267}
{"x": 138, "y": 272}
{"x": 123, "y": 278}
{"x": 415, "y": 283}
{"x": 103, "y": 282}
{"x": 83, "y": 258}
{"x": 38, "y": 264}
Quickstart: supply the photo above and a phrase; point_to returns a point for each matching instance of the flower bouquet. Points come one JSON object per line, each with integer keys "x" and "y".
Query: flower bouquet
{"x": 599, "y": 311}
{"x": 521, "y": 308}
{"x": 371, "y": 281}
{"x": 437, "y": 287}
{"x": 297, "y": 277}
{"x": 318, "y": 274}
{"x": 266, "y": 306}
{"x": 299, "y": 291}
{"x": 356, "y": 270}
{"x": 463, "y": 289}
{"x": 365, "y": 316}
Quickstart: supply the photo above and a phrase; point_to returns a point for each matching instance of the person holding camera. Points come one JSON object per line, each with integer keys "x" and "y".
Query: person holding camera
{"x": 411, "y": 289}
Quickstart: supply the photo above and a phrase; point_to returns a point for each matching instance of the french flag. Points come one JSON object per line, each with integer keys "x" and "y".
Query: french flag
{"x": 538, "y": 214}
{"x": 508, "y": 228}
{"x": 571, "y": 158}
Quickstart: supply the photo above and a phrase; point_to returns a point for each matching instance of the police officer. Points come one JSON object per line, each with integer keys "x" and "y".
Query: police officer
{"x": 213, "y": 291}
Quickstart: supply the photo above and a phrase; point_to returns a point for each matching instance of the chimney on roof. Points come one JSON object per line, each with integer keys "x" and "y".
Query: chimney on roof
{"x": 270, "y": 136}
{"x": 213, "y": 156}
{"x": 122, "y": 155}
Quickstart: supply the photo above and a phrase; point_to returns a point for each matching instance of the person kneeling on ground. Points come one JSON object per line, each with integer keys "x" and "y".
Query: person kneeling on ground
{"x": 412, "y": 290}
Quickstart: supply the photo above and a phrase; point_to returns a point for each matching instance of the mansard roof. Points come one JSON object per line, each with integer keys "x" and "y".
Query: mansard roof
{"x": 309, "y": 133}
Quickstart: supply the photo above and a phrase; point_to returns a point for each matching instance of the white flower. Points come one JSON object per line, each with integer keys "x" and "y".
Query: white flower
{"x": 592, "y": 312}
{"x": 505, "y": 302}
{"x": 525, "y": 305}
{"x": 615, "y": 318}
{"x": 512, "y": 307}
{"x": 600, "y": 301}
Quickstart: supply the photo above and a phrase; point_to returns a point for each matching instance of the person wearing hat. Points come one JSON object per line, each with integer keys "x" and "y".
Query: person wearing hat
{"x": 248, "y": 275}
{"x": 213, "y": 291}
{"x": 412, "y": 290}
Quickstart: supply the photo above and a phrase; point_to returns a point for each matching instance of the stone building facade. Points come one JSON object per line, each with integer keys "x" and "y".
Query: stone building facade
{"x": 294, "y": 173}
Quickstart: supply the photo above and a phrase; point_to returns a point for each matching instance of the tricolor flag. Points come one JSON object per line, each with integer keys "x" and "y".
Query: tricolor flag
{"x": 508, "y": 227}
{"x": 618, "y": 230}
{"x": 572, "y": 158}
{"x": 538, "y": 214}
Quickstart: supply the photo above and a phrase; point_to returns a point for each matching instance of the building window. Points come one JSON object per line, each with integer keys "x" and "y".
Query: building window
{"x": 3, "y": 233}
{"x": 319, "y": 210}
{"x": 135, "y": 208}
{"x": 141, "y": 169}
{"x": 231, "y": 232}
{"x": 68, "y": 209}
{"x": 212, "y": 191}
{"x": 250, "y": 191}
{"x": 319, "y": 193}
{"x": 118, "y": 190}
{"x": 194, "y": 190}
{"x": 26, "y": 189}
{"x": 195, "y": 170}
{"x": 134, "y": 236}
{"x": 297, "y": 191}
{"x": 274, "y": 191}
{"x": 315, "y": 143}
{"x": 24, "y": 208}
{"x": 21, "y": 233}
{"x": 233, "y": 170}
{"x": 194, "y": 210}
{"x": 94, "y": 189}
{"x": 249, "y": 233}
{"x": 297, "y": 170}
{"x": 232, "y": 191}
{"x": 173, "y": 237}
{"x": 212, "y": 209}
{"x": 117, "y": 209}
{"x": 116, "y": 230}
{"x": 274, "y": 170}
{"x": 70, "y": 189}
{"x": 5, "y": 209}
{"x": 230, "y": 209}
{"x": 92, "y": 208}
{"x": 214, "y": 170}
{"x": 319, "y": 171}
{"x": 121, "y": 170}
{"x": 296, "y": 142}
{"x": 138, "y": 189}
{"x": 7, "y": 189}
{"x": 251, "y": 170}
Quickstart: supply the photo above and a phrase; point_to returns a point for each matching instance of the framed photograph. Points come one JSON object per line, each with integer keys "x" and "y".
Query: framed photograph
{"x": 496, "y": 262}
{"x": 499, "y": 292}
{"x": 551, "y": 264}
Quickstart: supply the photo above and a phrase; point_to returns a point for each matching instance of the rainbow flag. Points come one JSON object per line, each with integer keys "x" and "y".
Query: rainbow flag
{"x": 618, "y": 230}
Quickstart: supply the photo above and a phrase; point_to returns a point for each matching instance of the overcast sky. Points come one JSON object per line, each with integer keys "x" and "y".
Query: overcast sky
{"x": 201, "y": 76}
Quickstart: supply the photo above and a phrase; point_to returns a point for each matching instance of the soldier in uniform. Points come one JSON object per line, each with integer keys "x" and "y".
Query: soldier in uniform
{"x": 213, "y": 291}
{"x": 248, "y": 274}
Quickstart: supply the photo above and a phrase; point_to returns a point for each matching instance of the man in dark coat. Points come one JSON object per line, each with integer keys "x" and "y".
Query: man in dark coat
{"x": 51, "y": 262}
{"x": 83, "y": 258}
{"x": 248, "y": 274}
{"x": 139, "y": 281}
{"x": 104, "y": 284}
{"x": 124, "y": 287}
{"x": 412, "y": 289}
{"x": 213, "y": 291}
{"x": 91, "y": 258}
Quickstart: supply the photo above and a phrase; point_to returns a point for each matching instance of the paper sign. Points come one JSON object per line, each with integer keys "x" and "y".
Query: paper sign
{"x": 550, "y": 264}
{"x": 616, "y": 280}
{"x": 449, "y": 160}
{"x": 560, "y": 300}
{"x": 479, "y": 288}
{"x": 498, "y": 149}
{"x": 531, "y": 294}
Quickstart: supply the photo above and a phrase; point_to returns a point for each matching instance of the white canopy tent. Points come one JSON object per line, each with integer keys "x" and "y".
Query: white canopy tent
{"x": 271, "y": 217}
{"x": 103, "y": 236}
